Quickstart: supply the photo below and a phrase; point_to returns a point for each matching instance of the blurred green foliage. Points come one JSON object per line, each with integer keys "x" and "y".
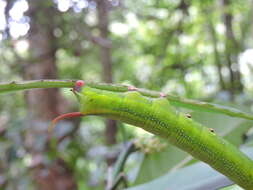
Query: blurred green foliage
{"x": 173, "y": 46}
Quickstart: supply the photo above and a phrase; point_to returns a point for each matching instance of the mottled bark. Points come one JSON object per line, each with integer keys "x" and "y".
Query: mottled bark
{"x": 232, "y": 50}
{"x": 106, "y": 61}
{"x": 43, "y": 105}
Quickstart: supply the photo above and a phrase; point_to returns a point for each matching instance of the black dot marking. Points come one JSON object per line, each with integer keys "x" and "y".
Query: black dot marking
{"x": 188, "y": 115}
{"x": 211, "y": 130}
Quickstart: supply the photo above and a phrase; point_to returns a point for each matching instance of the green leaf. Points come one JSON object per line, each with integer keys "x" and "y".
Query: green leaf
{"x": 159, "y": 163}
{"x": 232, "y": 187}
{"x": 197, "y": 176}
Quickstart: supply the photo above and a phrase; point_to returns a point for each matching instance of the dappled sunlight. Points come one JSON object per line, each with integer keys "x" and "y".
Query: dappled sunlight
{"x": 22, "y": 46}
{"x": 246, "y": 67}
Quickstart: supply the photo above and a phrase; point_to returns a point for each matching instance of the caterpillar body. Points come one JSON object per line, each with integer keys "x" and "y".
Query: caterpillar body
{"x": 154, "y": 113}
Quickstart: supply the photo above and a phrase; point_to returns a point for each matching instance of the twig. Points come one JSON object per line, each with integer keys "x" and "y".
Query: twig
{"x": 174, "y": 100}
{"x": 15, "y": 86}
{"x": 121, "y": 178}
{"x": 120, "y": 163}
{"x": 117, "y": 175}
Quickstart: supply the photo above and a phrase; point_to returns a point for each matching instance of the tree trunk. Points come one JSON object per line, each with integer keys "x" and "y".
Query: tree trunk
{"x": 216, "y": 53}
{"x": 43, "y": 105}
{"x": 106, "y": 61}
{"x": 231, "y": 51}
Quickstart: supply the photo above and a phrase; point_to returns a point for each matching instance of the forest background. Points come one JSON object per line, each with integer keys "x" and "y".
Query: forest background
{"x": 194, "y": 49}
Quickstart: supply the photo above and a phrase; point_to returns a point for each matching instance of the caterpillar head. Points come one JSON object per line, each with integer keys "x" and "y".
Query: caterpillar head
{"x": 76, "y": 90}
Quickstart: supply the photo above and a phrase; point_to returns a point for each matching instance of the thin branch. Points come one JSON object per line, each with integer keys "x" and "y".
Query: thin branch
{"x": 117, "y": 175}
{"x": 174, "y": 100}
{"x": 121, "y": 178}
{"x": 26, "y": 85}
{"x": 198, "y": 105}
{"x": 119, "y": 165}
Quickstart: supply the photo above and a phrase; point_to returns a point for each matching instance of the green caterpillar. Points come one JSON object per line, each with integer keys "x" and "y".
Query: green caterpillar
{"x": 153, "y": 112}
